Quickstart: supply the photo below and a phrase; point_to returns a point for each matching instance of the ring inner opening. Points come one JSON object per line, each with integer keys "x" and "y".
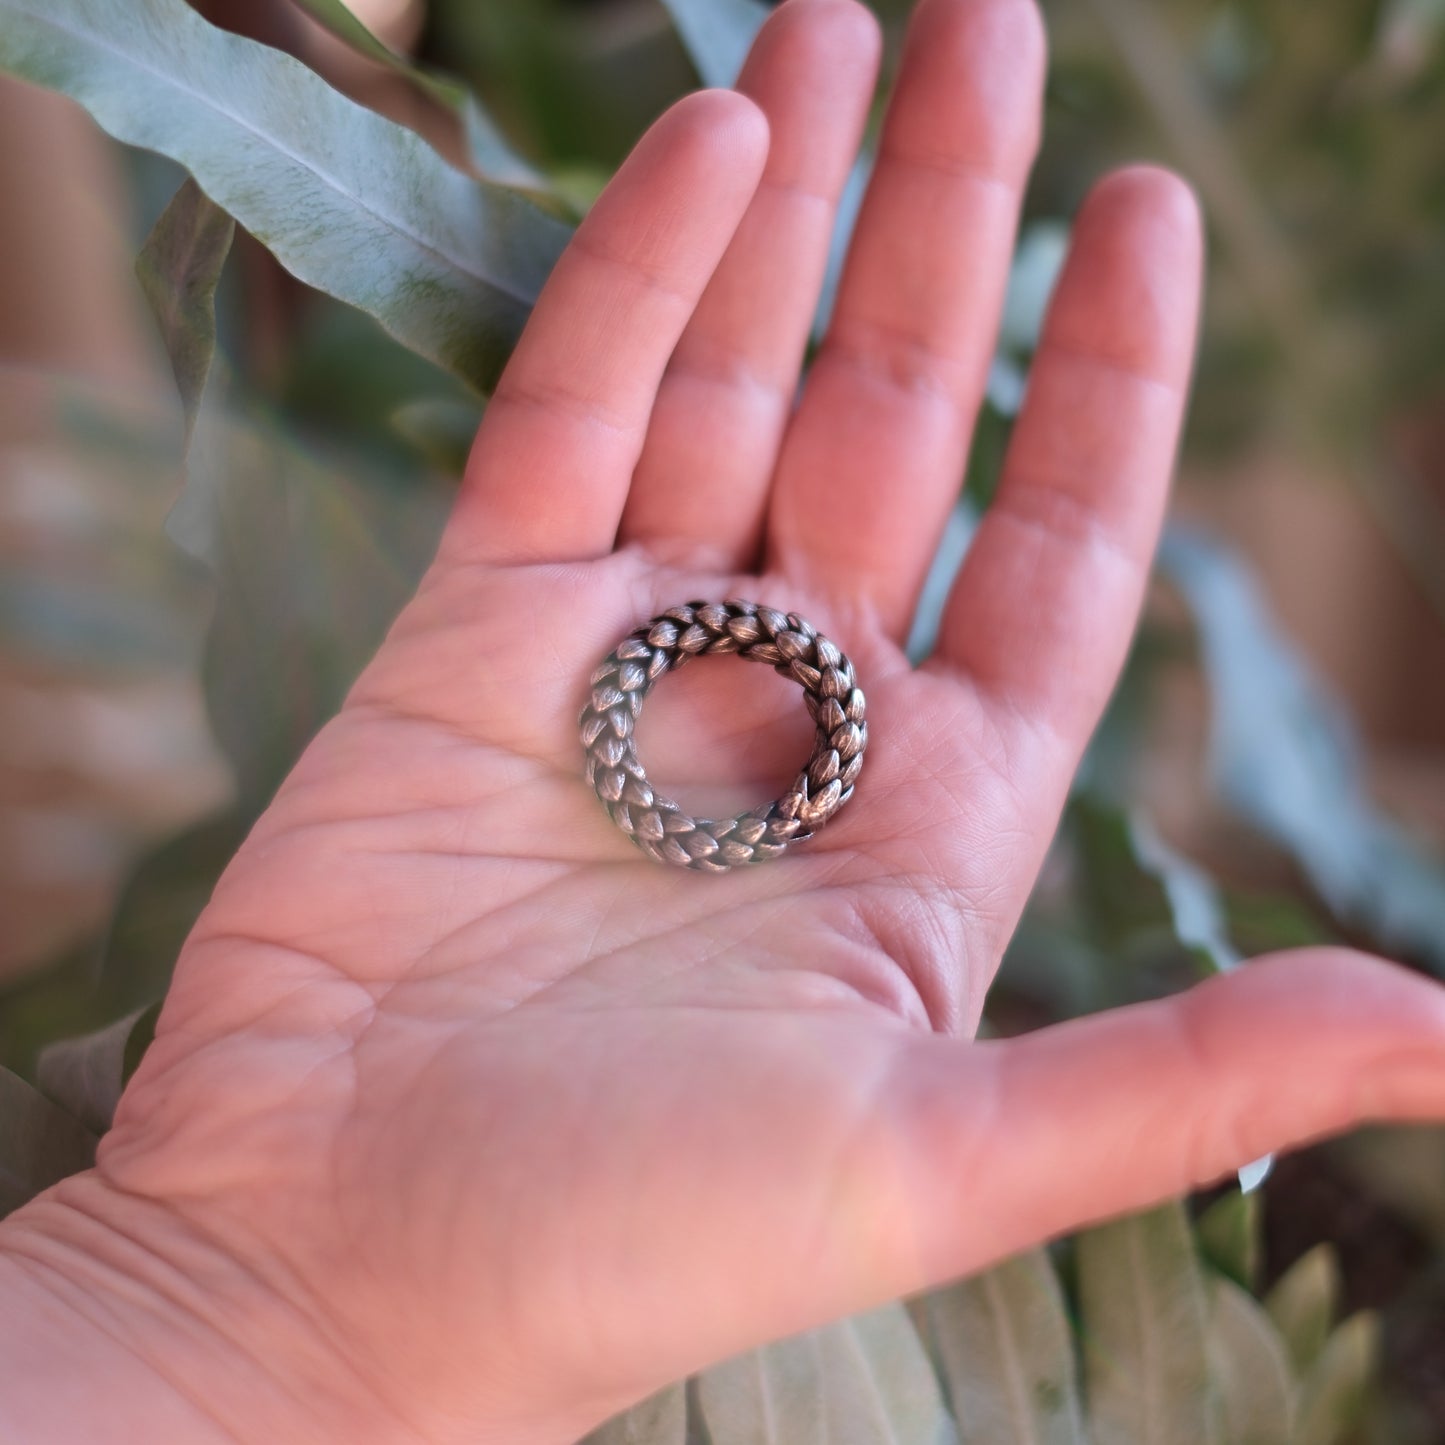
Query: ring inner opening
{"x": 722, "y": 735}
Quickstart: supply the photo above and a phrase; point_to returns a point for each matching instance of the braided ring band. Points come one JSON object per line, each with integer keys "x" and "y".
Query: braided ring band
{"x": 796, "y": 650}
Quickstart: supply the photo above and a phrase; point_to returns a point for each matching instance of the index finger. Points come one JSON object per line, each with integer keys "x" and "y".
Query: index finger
{"x": 549, "y": 473}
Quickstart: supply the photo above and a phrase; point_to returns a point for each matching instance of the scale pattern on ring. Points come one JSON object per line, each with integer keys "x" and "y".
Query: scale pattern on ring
{"x": 795, "y": 649}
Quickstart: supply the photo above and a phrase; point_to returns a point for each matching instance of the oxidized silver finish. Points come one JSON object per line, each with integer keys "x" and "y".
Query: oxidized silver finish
{"x": 793, "y": 648}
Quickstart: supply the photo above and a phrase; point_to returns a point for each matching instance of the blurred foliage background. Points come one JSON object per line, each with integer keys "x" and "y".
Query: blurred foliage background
{"x": 1272, "y": 770}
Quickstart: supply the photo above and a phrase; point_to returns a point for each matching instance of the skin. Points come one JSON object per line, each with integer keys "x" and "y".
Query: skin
{"x": 463, "y": 1121}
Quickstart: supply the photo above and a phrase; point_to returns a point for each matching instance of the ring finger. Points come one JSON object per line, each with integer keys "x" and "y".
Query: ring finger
{"x": 874, "y": 457}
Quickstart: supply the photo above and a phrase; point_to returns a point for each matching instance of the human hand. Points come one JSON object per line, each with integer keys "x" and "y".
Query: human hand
{"x": 463, "y": 1120}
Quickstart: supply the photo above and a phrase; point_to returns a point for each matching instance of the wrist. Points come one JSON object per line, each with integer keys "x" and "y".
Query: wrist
{"x": 120, "y": 1320}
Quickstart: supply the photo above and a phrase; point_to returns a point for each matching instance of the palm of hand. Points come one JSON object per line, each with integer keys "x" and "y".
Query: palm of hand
{"x": 457, "y": 923}
{"x": 523, "y": 1125}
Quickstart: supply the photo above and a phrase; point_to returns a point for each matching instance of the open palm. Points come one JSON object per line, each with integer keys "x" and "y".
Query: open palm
{"x": 464, "y": 1120}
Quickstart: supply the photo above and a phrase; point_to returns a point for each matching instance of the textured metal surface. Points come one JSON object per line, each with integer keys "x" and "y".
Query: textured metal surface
{"x": 792, "y": 647}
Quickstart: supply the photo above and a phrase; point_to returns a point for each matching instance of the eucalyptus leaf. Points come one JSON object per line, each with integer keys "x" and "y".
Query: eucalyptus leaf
{"x": 440, "y": 429}
{"x": 179, "y": 268}
{"x": 845, "y": 222}
{"x": 660, "y": 1420}
{"x": 1006, "y": 385}
{"x": 1004, "y": 1347}
{"x": 342, "y": 22}
{"x": 1283, "y": 753}
{"x": 157, "y": 908}
{"x": 717, "y": 34}
{"x": 86, "y": 1075}
{"x": 1038, "y": 261}
{"x": 312, "y": 564}
{"x": 864, "y": 1381}
{"x": 40, "y": 1144}
{"x": 1228, "y": 1234}
{"x": 953, "y": 544}
{"x": 1135, "y": 884}
{"x": 353, "y": 204}
{"x": 130, "y": 967}
{"x": 1337, "y": 1386}
{"x": 1144, "y": 1324}
{"x": 1255, "y": 1388}
{"x": 493, "y": 157}
{"x": 1195, "y": 906}
{"x": 1303, "y": 1302}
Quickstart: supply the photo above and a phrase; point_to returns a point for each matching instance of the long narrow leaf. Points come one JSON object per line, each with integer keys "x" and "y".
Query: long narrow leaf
{"x": 1195, "y": 906}
{"x": 1144, "y": 1317}
{"x": 86, "y": 1075}
{"x": 661, "y": 1420}
{"x": 179, "y": 268}
{"x": 40, "y": 1144}
{"x": 1003, "y": 1343}
{"x": 865, "y": 1381}
{"x": 1230, "y": 1236}
{"x": 717, "y": 34}
{"x": 1302, "y": 1304}
{"x": 1336, "y": 1388}
{"x": 311, "y": 567}
{"x": 1135, "y": 882}
{"x": 493, "y": 157}
{"x": 1257, "y": 1393}
{"x": 1283, "y": 753}
{"x": 352, "y": 204}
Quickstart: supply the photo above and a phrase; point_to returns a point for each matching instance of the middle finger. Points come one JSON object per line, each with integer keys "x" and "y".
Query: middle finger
{"x": 700, "y": 488}
{"x": 874, "y": 457}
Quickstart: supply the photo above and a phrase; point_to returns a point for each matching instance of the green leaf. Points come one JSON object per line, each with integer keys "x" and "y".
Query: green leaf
{"x": 850, "y": 205}
{"x": 1336, "y": 1388}
{"x": 1135, "y": 883}
{"x": 157, "y": 908}
{"x": 131, "y": 967}
{"x": 1302, "y": 1304}
{"x": 953, "y": 545}
{"x": 1228, "y": 1233}
{"x": 1144, "y": 1319}
{"x": 1195, "y": 907}
{"x": 1283, "y": 753}
{"x": 40, "y": 1144}
{"x": 179, "y": 268}
{"x": 1037, "y": 263}
{"x": 311, "y": 565}
{"x": 1003, "y": 1344}
{"x": 717, "y": 34}
{"x": 440, "y": 429}
{"x": 86, "y": 1075}
{"x": 355, "y": 205}
{"x": 493, "y": 156}
{"x": 864, "y": 1381}
{"x": 661, "y": 1420}
{"x": 492, "y": 153}
{"x": 1253, "y": 1383}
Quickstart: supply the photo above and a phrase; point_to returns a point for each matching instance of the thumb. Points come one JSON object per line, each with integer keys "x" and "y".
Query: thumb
{"x": 1028, "y": 1138}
